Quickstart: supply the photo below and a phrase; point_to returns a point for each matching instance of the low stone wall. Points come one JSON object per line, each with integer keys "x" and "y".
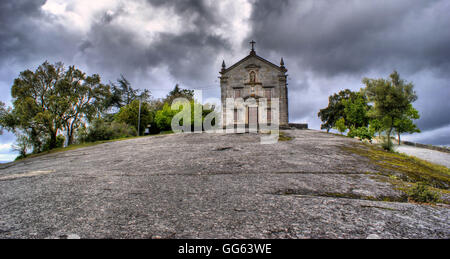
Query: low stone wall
{"x": 299, "y": 125}
{"x": 442, "y": 149}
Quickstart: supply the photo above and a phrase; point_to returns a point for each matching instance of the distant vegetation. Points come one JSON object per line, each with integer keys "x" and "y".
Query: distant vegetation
{"x": 383, "y": 107}
{"x": 55, "y": 105}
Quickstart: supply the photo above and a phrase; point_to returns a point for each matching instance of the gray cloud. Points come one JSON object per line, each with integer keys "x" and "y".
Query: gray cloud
{"x": 204, "y": 16}
{"x": 15, "y": 27}
{"x": 327, "y": 46}
{"x": 188, "y": 55}
{"x": 335, "y": 40}
{"x": 111, "y": 49}
{"x": 332, "y": 37}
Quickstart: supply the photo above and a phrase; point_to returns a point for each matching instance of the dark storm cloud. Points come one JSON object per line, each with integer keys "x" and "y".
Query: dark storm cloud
{"x": 433, "y": 105}
{"x": 27, "y": 34}
{"x": 204, "y": 16}
{"x": 15, "y": 26}
{"x": 30, "y": 36}
{"x": 327, "y": 46}
{"x": 188, "y": 55}
{"x": 333, "y": 37}
{"x": 354, "y": 39}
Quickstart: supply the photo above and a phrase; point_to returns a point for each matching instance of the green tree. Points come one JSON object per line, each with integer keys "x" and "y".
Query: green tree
{"x": 177, "y": 92}
{"x": 22, "y": 145}
{"x": 356, "y": 111}
{"x": 362, "y": 133}
{"x": 165, "y": 114}
{"x": 345, "y": 102}
{"x": 376, "y": 125}
{"x": 340, "y": 125}
{"x": 163, "y": 117}
{"x": 51, "y": 100}
{"x": 391, "y": 98}
{"x": 37, "y": 105}
{"x": 406, "y": 124}
{"x": 129, "y": 114}
{"x": 84, "y": 99}
{"x": 3, "y": 114}
{"x": 124, "y": 94}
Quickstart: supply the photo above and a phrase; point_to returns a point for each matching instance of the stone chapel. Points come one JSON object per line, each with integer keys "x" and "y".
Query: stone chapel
{"x": 254, "y": 78}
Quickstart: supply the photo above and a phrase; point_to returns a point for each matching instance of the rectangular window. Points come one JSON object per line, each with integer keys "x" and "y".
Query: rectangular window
{"x": 235, "y": 115}
{"x": 237, "y": 93}
{"x": 269, "y": 116}
{"x": 268, "y": 94}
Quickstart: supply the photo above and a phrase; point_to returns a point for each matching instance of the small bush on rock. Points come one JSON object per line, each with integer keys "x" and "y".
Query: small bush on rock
{"x": 422, "y": 193}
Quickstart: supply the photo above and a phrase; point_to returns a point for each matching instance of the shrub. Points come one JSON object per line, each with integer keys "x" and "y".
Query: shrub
{"x": 362, "y": 133}
{"x": 101, "y": 130}
{"x": 122, "y": 130}
{"x": 22, "y": 145}
{"x": 422, "y": 193}
{"x": 59, "y": 143}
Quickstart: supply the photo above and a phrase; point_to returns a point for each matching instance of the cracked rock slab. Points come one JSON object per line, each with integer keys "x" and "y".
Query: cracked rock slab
{"x": 209, "y": 186}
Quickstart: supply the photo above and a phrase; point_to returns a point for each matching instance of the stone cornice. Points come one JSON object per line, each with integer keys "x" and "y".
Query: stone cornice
{"x": 224, "y": 71}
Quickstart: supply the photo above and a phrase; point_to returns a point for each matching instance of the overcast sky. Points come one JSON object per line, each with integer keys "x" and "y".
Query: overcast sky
{"x": 326, "y": 45}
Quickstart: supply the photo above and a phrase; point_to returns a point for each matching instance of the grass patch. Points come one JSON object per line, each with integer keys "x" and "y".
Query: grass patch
{"x": 364, "y": 197}
{"x": 423, "y": 194}
{"x": 283, "y": 137}
{"x": 355, "y": 196}
{"x": 407, "y": 172}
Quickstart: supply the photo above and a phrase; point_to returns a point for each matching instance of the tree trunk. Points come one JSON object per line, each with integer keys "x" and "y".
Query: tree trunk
{"x": 70, "y": 139}
{"x": 398, "y": 134}
{"x": 389, "y": 135}
{"x": 37, "y": 144}
{"x": 52, "y": 143}
{"x": 69, "y": 134}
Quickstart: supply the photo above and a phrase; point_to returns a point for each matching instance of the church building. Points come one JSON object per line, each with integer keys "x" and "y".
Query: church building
{"x": 253, "y": 79}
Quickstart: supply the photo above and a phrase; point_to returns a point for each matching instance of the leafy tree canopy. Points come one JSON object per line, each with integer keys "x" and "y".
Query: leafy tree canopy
{"x": 405, "y": 124}
{"x": 52, "y": 99}
{"x": 129, "y": 114}
{"x": 163, "y": 117}
{"x": 340, "y": 125}
{"x": 177, "y": 92}
{"x": 352, "y": 106}
{"x": 123, "y": 94}
{"x": 392, "y": 100}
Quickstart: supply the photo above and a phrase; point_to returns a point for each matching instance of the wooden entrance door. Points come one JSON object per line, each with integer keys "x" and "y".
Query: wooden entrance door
{"x": 253, "y": 118}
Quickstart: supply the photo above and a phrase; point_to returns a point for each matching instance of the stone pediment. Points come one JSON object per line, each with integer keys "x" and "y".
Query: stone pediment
{"x": 253, "y": 65}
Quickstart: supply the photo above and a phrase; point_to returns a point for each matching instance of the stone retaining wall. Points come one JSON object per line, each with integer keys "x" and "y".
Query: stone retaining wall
{"x": 442, "y": 149}
{"x": 299, "y": 125}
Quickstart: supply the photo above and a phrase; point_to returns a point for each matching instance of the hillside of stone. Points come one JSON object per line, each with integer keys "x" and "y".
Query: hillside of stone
{"x": 313, "y": 185}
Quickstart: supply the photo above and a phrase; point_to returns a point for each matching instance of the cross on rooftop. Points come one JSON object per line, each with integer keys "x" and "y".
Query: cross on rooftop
{"x": 253, "y": 45}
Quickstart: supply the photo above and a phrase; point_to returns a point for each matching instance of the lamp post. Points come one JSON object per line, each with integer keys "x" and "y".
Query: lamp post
{"x": 139, "y": 116}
